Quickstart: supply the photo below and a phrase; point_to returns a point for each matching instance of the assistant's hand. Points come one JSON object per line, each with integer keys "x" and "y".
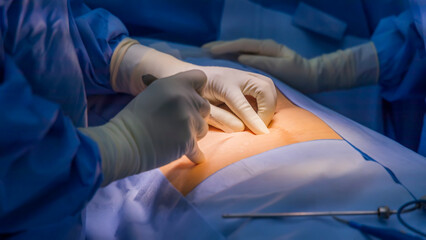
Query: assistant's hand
{"x": 156, "y": 127}
{"x": 268, "y": 56}
{"x": 339, "y": 70}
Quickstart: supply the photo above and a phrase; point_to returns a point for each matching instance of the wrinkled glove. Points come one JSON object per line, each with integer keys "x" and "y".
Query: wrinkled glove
{"x": 349, "y": 68}
{"x": 131, "y": 61}
{"x": 156, "y": 127}
{"x": 230, "y": 86}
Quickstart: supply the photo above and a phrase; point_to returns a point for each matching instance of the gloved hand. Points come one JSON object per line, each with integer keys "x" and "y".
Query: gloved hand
{"x": 352, "y": 67}
{"x": 230, "y": 86}
{"x": 131, "y": 61}
{"x": 156, "y": 127}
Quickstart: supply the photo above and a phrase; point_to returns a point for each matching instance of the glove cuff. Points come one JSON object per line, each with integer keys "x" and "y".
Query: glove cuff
{"x": 121, "y": 156}
{"x": 132, "y": 60}
{"x": 367, "y": 64}
{"x": 353, "y": 67}
{"x": 107, "y": 151}
{"x": 122, "y": 64}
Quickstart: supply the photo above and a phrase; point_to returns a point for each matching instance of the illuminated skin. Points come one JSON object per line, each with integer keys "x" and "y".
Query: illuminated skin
{"x": 290, "y": 124}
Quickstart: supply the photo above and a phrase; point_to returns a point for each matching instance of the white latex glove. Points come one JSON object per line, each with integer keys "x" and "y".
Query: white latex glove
{"x": 131, "y": 61}
{"x": 352, "y": 67}
{"x": 156, "y": 127}
{"x": 229, "y": 86}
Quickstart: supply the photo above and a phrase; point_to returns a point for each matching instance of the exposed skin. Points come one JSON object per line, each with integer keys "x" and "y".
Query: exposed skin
{"x": 291, "y": 124}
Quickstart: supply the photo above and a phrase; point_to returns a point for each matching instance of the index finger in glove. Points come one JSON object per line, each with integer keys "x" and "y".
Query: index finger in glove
{"x": 263, "y": 89}
{"x": 244, "y": 45}
{"x": 212, "y": 44}
{"x": 195, "y": 154}
{"x": 238, "y": 103}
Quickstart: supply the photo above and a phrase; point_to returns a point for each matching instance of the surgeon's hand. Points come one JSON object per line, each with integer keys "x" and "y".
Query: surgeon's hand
{"x": 131, "y": 61}
{"x": 339, "y": 70}
{"x": 156, "y": 127}
{"x": 230, "y": 86}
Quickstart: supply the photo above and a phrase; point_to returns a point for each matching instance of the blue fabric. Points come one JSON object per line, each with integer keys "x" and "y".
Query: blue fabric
{"x": 145, "y": 206}
{"x": 51, "y": 53}
{"x": 355, "y": 18}
{"x": 361, "y": 16}
{"x": 397, "y": 43}
{"x": 191, "y": 21}
{"x": 320, "y": 22}
{"x": 376, "y": 10}
{"x": 362, "y": 172}
{"x": 201, "y": 22}
{"x": 422, "y": 145}
{"x": 246, "y": 19}
{"x": 418, "y": 10}
{"x": 402, "y": 60}
{"x": 100, "y": 33}
{"x": 289, "y": 179}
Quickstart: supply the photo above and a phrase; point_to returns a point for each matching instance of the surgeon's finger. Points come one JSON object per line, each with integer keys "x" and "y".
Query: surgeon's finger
{"x": 237, "y": 102}
{"x": 236, "y": 46}
{"x": 224, "y": 120}
{"x": 269, "y": 65}
{"x": 263, "y": 89}
{"x": 211, "y": 44}
{"x": 195, "y": 154}
{"x": 260, "y": 47}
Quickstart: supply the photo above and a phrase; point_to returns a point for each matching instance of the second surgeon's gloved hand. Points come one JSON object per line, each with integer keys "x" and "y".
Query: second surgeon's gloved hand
{"x": 131, "y": 61}
{"x": 156, "y": 127}
{"x": 349, "y": 68}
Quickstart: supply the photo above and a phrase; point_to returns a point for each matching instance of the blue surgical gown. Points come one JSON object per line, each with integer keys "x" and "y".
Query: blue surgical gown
{"x": 402, "y": 59}
{"x": 52, "y": 54}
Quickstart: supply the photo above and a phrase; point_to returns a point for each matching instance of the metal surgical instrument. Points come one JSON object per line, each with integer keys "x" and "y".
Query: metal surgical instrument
{"x": 382, "y": 212}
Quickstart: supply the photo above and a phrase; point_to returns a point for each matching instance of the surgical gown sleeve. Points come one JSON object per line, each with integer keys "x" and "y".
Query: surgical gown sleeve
{"x": 63, "y": 49}
{"x": 48, "y": 170}
{"x": 401, "y": 56}
{"x": 49, "y": 56}
{"x": 100, "y": 33}
{"x": 402, "y": 60}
